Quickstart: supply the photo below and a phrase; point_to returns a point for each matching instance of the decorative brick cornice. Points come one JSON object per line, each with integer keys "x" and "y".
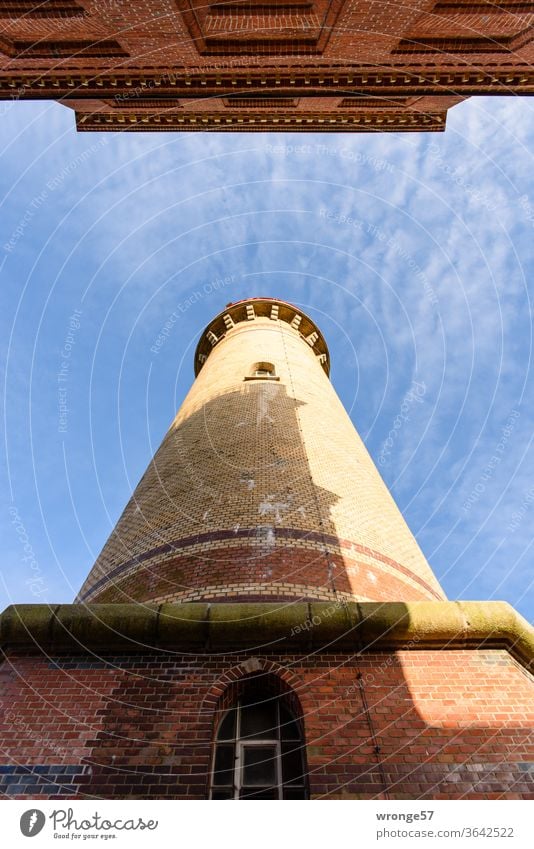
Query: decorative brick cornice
{"x": 303, "y": 121}
{"x": 357, "y": 628}
{"x": 342, "y": 81}
{"x": 251, "y": 308}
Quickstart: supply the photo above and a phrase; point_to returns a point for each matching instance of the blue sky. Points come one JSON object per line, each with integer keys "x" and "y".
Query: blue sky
{"x": 413, "y": 252}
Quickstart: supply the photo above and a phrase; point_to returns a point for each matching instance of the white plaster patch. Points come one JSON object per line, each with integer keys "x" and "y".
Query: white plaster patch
{"x": 269, "y": 505}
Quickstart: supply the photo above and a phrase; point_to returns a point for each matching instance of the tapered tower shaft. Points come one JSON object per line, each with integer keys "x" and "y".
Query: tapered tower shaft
{"x": 262, "y": 488}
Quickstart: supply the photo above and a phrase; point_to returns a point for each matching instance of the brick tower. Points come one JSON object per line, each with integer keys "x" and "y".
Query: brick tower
{"x": 247, "y": 498}
{"x": 261, "y": 624}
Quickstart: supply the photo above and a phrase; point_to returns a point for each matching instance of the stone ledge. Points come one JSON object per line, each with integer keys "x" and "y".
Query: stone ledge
{"x": 367, "y": 626}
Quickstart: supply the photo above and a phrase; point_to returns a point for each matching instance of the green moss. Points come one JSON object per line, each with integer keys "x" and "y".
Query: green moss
{"x": 184, "y": 625}
{"x": 271, "y": 626}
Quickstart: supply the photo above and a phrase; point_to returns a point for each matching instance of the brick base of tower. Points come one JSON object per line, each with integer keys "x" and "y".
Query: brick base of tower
{"x": 401, "y": 701}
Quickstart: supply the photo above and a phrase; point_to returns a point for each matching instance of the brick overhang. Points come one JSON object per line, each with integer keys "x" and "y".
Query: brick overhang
{"x": 232, "y": 66}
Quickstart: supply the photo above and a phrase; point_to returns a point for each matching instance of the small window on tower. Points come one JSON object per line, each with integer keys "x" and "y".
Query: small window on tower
{"x": 262, "y": 371}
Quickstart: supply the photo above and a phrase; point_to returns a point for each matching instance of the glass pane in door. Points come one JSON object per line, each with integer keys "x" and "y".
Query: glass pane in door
{"x": 258, "y": 766}
{"x": 223, "y": 772}
{"x": 259, "y": 793}
{"x": 259, "y": 720}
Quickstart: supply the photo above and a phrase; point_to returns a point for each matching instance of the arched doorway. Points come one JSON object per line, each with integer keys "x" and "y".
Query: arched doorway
{"x": 259, "y": 749}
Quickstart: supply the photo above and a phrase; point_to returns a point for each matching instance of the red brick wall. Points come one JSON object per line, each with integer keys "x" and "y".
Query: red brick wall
{"x": 417, "y": 723}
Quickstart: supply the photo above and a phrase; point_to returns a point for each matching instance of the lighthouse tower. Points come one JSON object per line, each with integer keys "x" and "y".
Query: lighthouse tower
{"x": 262, "y": 488}
{"x": 261, "y": 623}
